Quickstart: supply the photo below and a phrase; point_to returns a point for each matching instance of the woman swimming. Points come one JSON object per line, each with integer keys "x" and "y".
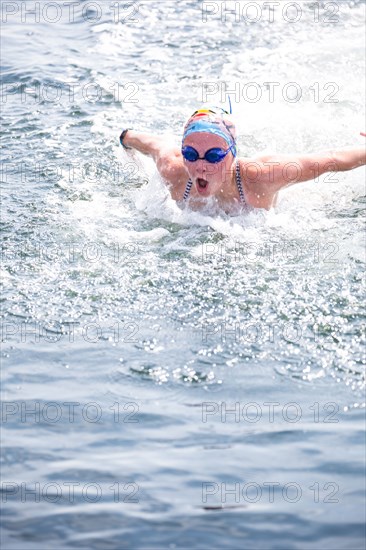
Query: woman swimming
{"x": 207, "y": 164}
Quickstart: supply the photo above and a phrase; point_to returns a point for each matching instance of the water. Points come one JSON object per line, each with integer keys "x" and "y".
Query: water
{"x": 196, "y": 380}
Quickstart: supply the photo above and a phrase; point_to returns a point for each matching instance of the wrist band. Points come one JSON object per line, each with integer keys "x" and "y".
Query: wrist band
{"x": 121, "y": 138}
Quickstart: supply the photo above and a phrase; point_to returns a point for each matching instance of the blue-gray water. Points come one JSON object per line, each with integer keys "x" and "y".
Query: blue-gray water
{"x": 196, "y": 381}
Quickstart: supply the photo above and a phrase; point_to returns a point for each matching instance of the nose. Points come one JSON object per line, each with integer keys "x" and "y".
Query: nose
{"x": 200, "y": 166}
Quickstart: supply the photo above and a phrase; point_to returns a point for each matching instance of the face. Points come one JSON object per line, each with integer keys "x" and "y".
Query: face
{"x": 208, "y": 178}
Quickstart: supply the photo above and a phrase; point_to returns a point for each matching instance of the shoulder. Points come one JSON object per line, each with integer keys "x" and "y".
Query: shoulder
{"x": 252, "y": 169}
{"x": 254, "y": 176}
{"x": 270, "y": 170}
{"x": 171, "y": 167}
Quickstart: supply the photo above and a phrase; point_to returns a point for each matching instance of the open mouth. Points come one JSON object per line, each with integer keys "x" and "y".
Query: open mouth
{"x": 202, "y": 184}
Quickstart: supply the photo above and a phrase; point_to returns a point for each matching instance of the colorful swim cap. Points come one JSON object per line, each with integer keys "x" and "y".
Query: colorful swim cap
{"x": 213, "y": 121}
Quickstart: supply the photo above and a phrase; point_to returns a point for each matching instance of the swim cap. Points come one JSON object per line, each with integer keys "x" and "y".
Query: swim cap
{"x": 213, "y": 121}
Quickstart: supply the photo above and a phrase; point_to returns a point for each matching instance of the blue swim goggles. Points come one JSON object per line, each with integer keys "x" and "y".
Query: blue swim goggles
{"x": 212, "y": 155}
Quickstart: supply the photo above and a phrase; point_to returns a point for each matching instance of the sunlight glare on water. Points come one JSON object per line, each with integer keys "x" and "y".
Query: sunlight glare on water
{"x": 115, "y": 294}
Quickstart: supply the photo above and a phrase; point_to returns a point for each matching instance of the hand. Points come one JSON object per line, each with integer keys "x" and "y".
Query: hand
{"x": 362, "y": 134}
{"x": 121, "y": 137}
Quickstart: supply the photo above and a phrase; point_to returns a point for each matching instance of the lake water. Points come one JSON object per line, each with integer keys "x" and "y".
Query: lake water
{"x": 174, "y": 379}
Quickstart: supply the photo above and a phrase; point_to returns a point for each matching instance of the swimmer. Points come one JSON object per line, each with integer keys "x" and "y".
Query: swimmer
{"x": 207, "y": 166}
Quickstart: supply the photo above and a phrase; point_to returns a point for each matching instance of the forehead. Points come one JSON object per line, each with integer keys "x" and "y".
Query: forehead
{"x": 203, "y": 141}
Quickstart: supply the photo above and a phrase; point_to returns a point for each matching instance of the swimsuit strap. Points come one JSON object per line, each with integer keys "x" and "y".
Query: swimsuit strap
{"x": 188, "y": 189}
{"x": 238, "y": 183}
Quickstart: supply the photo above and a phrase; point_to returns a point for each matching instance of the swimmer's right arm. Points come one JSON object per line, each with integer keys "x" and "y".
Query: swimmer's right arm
{"x": 147, "y": 144}
{"x": 168, "y": 159}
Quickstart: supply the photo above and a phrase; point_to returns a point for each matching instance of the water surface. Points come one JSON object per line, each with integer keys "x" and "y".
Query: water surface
{"x": 196, "y": 380}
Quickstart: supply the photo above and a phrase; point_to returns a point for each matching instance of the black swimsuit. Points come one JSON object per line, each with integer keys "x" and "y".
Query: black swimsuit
{"x": 238, "y": 183}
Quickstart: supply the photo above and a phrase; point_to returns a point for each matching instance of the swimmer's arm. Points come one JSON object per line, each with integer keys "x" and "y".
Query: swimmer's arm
{"x": 147, "y": 144}
{"x": 348, "y": 159}
{"x": 281, "y": 171}
{"x": 168, "y": 159}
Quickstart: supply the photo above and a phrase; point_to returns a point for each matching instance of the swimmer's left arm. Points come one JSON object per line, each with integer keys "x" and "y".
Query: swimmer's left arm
{"x": 313, "y": 166}
{"x": 282, "y": 171}
{"x": 348, "y": 159}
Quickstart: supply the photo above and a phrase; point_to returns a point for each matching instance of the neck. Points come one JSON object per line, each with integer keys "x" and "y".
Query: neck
{"x": 229, "y": 187}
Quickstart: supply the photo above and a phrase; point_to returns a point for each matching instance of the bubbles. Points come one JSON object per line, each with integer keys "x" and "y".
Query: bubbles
{"x": 196, "y": 297}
